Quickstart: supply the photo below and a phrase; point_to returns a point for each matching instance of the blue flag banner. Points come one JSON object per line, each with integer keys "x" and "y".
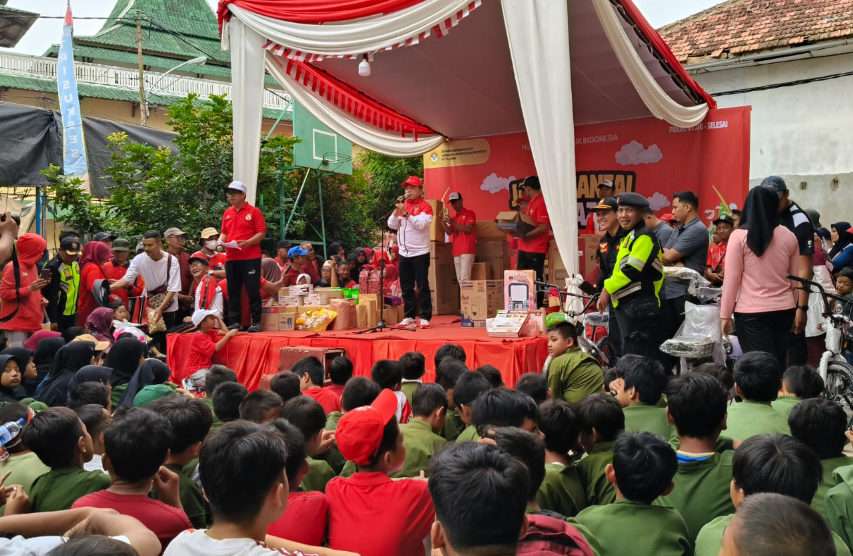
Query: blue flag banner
{"x": 73, "y": 143}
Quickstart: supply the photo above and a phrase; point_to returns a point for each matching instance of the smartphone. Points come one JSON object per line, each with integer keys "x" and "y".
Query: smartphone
{"x": 45, "y": 274}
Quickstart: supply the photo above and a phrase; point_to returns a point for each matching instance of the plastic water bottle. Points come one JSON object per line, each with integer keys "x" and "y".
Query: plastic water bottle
{"x": 7, "y": 433}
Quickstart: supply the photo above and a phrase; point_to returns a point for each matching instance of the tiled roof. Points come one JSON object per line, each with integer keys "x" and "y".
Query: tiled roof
{"x": 108, "y": 93}
{"x": 740, "y": 27}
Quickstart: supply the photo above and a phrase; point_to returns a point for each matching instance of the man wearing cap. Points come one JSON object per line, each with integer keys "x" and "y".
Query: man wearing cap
{"x": 659, "y": 226}
{"x": 63, "y": 285}
{"x": 281, "y": 249}
{"x": 608, "y": 251}
{"x": 795, "y": 219}
{"x": 461, "y": 230}
{"x": 208, "y": 293}
{"x": 215, "y": 259}
{"x": 533, "y": 245}
{"x": 175, "y": 239}
{"x": 605, "y": 190}
{"x": 116, "y": 268}
{"x": 634, "y": 288}
{"x": 301, "y": 262}
{"x": 714, "y": 269}
{"x": 244, "y": 224}
{"x": 105, "y": 237}
{"x": 411, "y": 219}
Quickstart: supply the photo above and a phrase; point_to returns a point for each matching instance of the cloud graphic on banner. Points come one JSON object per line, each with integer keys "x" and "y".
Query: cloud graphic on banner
{"x": 635, "y": 153}
{"x": 658, "y": 201}
{"x": 494, "y": 183}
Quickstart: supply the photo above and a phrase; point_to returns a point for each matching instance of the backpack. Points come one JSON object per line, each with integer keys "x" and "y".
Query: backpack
{"x": 547, "y": 535}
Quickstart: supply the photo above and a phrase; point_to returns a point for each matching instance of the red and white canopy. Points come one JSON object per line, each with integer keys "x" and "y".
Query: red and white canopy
{"x": 457, "y": 68}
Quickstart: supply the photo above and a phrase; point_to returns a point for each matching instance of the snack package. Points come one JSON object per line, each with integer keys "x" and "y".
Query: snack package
{"x": 315, "y": 321}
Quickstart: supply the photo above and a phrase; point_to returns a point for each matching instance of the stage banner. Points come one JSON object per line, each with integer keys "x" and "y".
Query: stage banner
{"x": 646, "y": 156}
{"x": 73, "y": 144}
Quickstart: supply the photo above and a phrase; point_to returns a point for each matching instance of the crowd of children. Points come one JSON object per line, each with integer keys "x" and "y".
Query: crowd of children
{"x": 381, "y": 462}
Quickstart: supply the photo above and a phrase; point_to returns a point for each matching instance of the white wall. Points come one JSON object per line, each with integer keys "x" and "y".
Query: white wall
{"x": 803, "y": 133}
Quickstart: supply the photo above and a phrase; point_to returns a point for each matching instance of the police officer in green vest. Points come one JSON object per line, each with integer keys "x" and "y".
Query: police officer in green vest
{"x": 635, "y": 284}
{"x": 61, "y": 292}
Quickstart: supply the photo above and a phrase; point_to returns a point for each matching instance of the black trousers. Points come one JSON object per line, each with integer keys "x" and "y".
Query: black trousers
{"x": 798, "y": 350}
{"x": 536, "y": 263}
{"x": 769, "y": 332}
{"x": 672, "y": 317}
{"x": 614, "y": 333}
{"x": 244, "y": 274}
{"x": 64, "y": 322}
{"x": 641, "y": 336}
{"x": 415, "y": 271}
{"x": 158, "y": 339}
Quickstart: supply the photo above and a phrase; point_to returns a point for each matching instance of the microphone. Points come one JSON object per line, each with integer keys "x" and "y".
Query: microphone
{"x": 401, "y": 199}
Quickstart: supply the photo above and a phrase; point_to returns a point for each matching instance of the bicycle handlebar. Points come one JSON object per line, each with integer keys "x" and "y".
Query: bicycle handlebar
{"x": 807, "y": 284}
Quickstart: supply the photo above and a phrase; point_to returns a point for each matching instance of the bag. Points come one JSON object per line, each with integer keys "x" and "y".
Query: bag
{"x": 641, "y": 307}
{"x": 157, "y": 296}
{"x": 548, "y": 535}
{"x": 16, "y": 267}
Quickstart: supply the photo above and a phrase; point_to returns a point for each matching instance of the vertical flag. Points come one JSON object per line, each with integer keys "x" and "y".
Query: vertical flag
{"x": 73, "y": 144}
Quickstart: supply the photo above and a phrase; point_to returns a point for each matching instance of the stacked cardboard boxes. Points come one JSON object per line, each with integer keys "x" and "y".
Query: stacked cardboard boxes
{"x": 442, "y": 279}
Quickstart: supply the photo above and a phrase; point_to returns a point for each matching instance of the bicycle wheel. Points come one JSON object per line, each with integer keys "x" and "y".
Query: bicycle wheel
{"x": 607, "y": 353}
{"x": 839, "y": 384}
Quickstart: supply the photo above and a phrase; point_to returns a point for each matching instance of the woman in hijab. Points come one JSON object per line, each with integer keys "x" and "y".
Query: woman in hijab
{"x": 10, "y": 378}
{"x": 92, "y": 260}
{"x": 90, "y": 373}
{"x": 43, "y": 359}
{"x": 25, "y": 362}
{"x": 152, "y": 371}
{"x": 841, "y": 253}
{"x": 70, "y": 359}
{"x": 756, "y": 290}
{"x": 360, "y": 261}
{"x": 270, "y": 272}
{"x": 337, "y": 249}
{"x": 33, "y": 342}
{"x": 99, "y": 323}
{"x": 124, "y": 359}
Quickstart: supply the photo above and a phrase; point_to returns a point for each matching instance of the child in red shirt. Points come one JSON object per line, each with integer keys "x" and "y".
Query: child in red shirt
{"x": 204, "y": 344}
{"x": 370, "y": 437}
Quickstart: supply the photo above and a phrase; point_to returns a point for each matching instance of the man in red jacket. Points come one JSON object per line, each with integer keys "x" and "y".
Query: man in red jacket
{"x": 116, "y": 268}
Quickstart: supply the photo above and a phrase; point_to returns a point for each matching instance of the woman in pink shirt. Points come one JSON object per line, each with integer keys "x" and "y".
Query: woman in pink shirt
{"x": 760, "y": 255}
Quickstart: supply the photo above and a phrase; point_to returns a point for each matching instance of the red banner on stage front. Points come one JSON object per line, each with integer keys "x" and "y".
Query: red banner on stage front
{"x": 647, "y": 156}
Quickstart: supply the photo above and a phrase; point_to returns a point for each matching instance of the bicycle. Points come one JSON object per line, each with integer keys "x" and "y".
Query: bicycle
{"x": 836, "y": 372}
{"x": 588, "y": 325}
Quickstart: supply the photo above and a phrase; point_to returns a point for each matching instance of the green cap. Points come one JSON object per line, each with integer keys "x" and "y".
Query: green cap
{"x": 151, "y": 393}
{"x": 121, "y": 244}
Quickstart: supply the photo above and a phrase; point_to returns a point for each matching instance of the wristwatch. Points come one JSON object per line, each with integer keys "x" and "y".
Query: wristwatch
{"x": 802, "y": 308}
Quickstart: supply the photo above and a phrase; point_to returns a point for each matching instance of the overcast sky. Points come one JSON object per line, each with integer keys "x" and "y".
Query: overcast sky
{"x": 45, "y": 32}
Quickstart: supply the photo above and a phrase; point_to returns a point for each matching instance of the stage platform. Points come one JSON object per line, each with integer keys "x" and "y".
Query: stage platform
{"x": 254, "y": 355}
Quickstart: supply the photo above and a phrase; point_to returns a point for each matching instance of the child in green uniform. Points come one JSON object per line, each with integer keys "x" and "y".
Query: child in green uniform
{"x": 768, "y": 463}
{"x": 639, "y": 391}
{"x": 642, "y": 470}
{"x": 820, "y": 424}
{"x": 24, "y": 465}
{"x": 260, "y": 406}
{"x": 467, "y": 389}
{"x": 697, "y": 408}
{"x": 447, "y": 372}
{"x": 534, "y": 385}
{"x": 60, "y": 440}
{"x": 573, "y": 374}
{"x": 562, "y": 490}
{"x": 758, "y": 379}
{"x": 420, "y": 435}
{"x": 601, "y": 422}
{"x": 190, "y": 421}
{"x": 218, "y": 374}
{"x": 777, "y": 525}
{"x": 287, "y": 385}
{"x": 359, "y": 392}
{"x": 414, "y": 369}
{"x": 501, "y": 407}
{"x": 838, "y": 504}
{"x": 307, "y": 415}
{"x": 798, "y": 383}
{"x": 227, "y": 399}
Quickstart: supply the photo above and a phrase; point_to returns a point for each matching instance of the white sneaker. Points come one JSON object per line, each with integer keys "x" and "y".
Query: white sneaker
{"x": 424, "y": 323}
{"x": 405, "y": 323}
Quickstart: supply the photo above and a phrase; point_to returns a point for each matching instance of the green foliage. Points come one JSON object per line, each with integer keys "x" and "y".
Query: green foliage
{"x": 156, "y": 188}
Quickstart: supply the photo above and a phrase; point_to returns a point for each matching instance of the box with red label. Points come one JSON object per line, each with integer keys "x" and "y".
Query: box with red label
{"x": 480, "y": 300}
{"x": 519, "y": 290}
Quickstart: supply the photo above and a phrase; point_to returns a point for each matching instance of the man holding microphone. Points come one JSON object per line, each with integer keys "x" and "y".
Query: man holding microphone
{"x": 411, "y": 219}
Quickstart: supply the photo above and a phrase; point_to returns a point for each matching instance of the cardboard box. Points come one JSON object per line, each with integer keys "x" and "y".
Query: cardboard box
{"x": 346, "y": 318}
{"x": 587, "y": 246}
{"x": 393, "y": 314}
{"x": 316, "y": 299}
{"x": 288, "y": 356}
{"x": 331, "y": 293}
{"x": 442, "y": 280}
{"x": 496, "y": 254}
{"x": 479, "y": 300}
{"x": 481, "y": 271}
{"x": 519, "y": 290}
{"x": 291, "y": 300}
{"x": 304, "y": 289}
{"x": 436, "y": 230}
{"x": 507, "y": 324}
{"x": 513, "y": 221}
{"x": 278, "y": 319}
{"x": 487, "y": 230}
{"x": 362, "y": 315}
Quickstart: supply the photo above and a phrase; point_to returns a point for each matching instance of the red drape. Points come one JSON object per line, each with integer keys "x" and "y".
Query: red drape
{"x": 315, "y": 12}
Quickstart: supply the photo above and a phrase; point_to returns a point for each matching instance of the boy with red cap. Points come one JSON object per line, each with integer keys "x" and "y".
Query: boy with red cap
{"x": 370, "y": 513}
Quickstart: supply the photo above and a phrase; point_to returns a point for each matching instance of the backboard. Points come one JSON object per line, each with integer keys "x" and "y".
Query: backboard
{"x": 321, "y": 148}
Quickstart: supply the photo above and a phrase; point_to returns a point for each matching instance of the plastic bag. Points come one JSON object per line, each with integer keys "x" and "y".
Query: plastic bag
{"x": 816, "y": 323}
{"x": 694, "y": 279}
{"x": 574, "y": 304}
{"x": 315, "y": 321}
{"x": 699, "y": 334}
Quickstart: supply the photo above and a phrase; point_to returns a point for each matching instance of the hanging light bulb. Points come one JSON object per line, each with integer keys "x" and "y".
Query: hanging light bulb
{"x": 364, "y": 67}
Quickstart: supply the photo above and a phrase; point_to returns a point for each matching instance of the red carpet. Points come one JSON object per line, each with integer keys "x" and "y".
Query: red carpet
{"x": 254, "y": 355}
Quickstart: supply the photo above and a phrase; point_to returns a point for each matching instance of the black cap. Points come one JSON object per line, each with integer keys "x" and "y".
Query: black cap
{"x": 70, "y": 245}
{"x": 608, "y": 203}
{"x": 101, "y": 236}
{"x": 775, "y": 184}
{"x": 532, "y": 182}
{"x": 283, "y": 244}
{"x": 725, "y": 218}
{"x": 632, "y": 200}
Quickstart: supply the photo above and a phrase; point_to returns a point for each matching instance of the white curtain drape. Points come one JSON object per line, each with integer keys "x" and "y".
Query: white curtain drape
{"x": 538, "y": 33}
{"x": 348, "y": 126}
{"x": 370, "y": 34}
{"x": 247, "y": 98}
{"x": 659, "y": 103}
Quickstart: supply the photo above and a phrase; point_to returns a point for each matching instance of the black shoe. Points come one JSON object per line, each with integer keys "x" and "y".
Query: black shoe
{"x": 256, "y": 327}
{"x": 235, "y": 326}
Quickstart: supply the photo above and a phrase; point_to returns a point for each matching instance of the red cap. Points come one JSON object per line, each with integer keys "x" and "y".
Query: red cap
{"x": 413, "y": 181}
{"x": 360, "y": 430}
{"x": 667, "y": 217}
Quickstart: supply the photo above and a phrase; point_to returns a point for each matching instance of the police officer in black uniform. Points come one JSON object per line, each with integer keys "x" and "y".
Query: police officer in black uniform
{"x": 608, "y": 249}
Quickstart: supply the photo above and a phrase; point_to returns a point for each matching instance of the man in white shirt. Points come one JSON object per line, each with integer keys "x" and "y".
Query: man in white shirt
{"x": 411, "y": 219}
{"x": 158, "y": 269}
